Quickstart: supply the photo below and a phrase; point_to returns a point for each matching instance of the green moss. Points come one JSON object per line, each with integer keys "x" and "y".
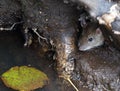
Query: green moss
{"x": 24, "y": 78}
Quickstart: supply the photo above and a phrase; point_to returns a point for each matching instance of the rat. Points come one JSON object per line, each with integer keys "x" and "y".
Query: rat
{"x": 91, "y": 37}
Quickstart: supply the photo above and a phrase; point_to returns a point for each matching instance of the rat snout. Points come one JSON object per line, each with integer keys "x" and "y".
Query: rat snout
{"x": 84, "y": 47}
{"x": 81, "y": 48}
{"x": 79, "y": 44}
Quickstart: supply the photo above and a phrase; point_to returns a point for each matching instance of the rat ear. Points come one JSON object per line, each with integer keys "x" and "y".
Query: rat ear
{"x": 98, "y": 31}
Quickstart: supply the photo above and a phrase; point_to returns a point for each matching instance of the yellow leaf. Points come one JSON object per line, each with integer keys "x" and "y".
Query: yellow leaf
{"x": 24, "y": 78}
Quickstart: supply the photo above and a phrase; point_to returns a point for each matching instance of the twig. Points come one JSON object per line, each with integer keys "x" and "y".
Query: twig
{"x": 68, "y": 79}
{"x": 72, "y": 84}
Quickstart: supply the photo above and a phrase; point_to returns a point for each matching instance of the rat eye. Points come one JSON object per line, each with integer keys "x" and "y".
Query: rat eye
{"x": 90, "y": 39}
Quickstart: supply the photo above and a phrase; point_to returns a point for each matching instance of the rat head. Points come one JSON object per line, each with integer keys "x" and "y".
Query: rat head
{"x": 91, "y": 37}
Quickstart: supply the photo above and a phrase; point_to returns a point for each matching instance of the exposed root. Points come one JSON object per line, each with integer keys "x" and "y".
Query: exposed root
{"x": 28, "y": 36}
{"x": 10, "y": 28}
{"x": 35, "y": 31}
